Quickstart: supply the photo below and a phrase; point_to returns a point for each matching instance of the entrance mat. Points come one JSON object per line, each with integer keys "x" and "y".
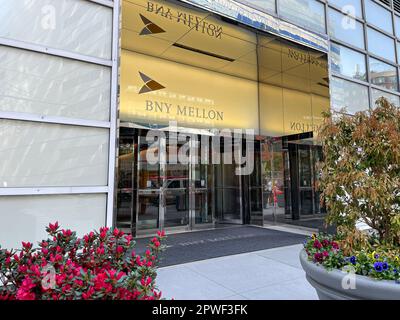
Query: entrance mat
{"x": 207, "y": 244}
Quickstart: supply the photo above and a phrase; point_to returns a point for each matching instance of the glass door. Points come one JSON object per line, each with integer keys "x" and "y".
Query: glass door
{"x": 228, "y": 187}
{"x": 171, "y": 193}
{"x": 125, "y": 186}
{"x": 201, "y": 183}
{"x": 306, "y": 182}
{"x": 149, "y": 185}
{"x": 175, "y": 191}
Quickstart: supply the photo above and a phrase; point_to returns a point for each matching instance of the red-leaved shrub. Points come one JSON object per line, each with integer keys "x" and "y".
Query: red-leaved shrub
{"x": 100, "y": 266}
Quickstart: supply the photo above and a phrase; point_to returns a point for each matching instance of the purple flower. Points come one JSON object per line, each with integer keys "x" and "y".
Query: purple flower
{"x": 385, "y": 266}
{"x": 378, "y": 266}
{"x": 353, "y": 260}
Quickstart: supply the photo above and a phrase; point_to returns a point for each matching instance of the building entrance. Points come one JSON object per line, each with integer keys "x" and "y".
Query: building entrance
{"x": 175, "y": 185}
{"x": 290, "y": 178}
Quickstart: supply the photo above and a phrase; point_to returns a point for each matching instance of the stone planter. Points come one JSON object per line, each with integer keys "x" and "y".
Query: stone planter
{"x": 328, "y": 284}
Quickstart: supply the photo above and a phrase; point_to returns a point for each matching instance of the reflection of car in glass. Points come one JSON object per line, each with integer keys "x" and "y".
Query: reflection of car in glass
{"x": 179, "y": 198}
{"x": 177, "y": 193}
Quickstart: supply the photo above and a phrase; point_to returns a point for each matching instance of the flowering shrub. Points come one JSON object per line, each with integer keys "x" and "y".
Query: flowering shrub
{"x": 327, "y": 251}
{"x": 100, "y": 266}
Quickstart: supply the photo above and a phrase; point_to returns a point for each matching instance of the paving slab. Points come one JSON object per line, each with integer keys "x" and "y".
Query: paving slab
{"x": 272, "y": 274}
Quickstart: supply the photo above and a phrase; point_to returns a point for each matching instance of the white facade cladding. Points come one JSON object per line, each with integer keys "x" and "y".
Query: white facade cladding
{"x": 58, "y": 114}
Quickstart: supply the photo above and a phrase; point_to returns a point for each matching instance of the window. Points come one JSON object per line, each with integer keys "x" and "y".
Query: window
{"x": 348, "y": 62}
{"x": 51, "y": 155}
{"x": 345, "y": 28}
{"x": 351, "y": 96}
{"x": 383, "y": 74}
{"x": 398, "y": 52}
{"x": 380, "y": 44}
{"x": 397, "y": 25}
{"x": 266, "y": 5}
{"x": 78, "y": 26}
{"x": 41, "y": 84}
{"x": 307, "y": 13}
{"x": 378, "y": 16}
{"x": 376, "y": 94}
{"x": 25, "y": 217}
{"x": 351, "y": 7}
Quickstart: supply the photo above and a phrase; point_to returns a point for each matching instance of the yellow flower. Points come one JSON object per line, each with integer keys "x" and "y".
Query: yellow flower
{"x": 372, "y": 255}
{"x": 314, "y": 236}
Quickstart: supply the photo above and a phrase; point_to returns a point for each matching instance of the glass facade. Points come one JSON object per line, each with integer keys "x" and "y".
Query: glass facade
{"x": 205, "y": 80}
{"x": 59, "y": 126}
{"x": 351, "y": 96}
{"x": 378, "y": 16}
{"x": 350, "y": 7}
{"x": 264, "y": 5}
{"x": 348, "y": 62}
{"x": 345, "y": 28}
{"x": 383, "y": 74}
{"x": 363, "y": 67}
{"x": 306, "y": 13}
{"x": 381, "y": 45}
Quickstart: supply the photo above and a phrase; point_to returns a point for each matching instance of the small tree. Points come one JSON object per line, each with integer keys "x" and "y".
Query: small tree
{"x": 360, "y": 174}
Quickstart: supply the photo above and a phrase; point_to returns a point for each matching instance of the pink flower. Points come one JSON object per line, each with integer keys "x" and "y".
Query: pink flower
{"x": 317, "y": 244}
{"x": 325, "y": 243}
{"x": 120, "y": 249}
{"x": 335, "y": 245}
{"x": 24, "y": 291}
{"x": 117, "y": 233}
{"x": 67, "y": 233}
{"x": 27, "y": 246}
{"x": 53, "y": 227}
{"x": 161, "y": 234}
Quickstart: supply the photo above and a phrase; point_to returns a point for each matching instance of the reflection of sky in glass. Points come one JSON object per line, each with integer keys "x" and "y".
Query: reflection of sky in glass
{"x": 308, "y": 13}
{"x": 348, "y": 62}
{"x": 342, "y": 28}
{"x": 397, "y": 25}
{"x": 378, "y": 16}
{"x": 355, "y": 5}
{"x": 380, "y": 44}
{"x": 268, "y": 5}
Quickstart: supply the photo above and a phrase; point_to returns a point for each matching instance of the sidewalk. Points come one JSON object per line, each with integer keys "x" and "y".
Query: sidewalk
{"x": 271, "y": 274}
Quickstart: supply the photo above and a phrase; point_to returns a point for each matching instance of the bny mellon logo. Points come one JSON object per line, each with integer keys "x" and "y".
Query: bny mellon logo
{"x": 150, "y": 27}
{"x": 150, "y": 84}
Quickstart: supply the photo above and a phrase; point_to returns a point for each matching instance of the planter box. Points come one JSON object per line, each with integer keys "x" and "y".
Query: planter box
{"x": 328, "y": 284}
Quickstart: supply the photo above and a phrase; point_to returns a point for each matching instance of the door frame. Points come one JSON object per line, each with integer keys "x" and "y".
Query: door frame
{"x": 190, "y": 189}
